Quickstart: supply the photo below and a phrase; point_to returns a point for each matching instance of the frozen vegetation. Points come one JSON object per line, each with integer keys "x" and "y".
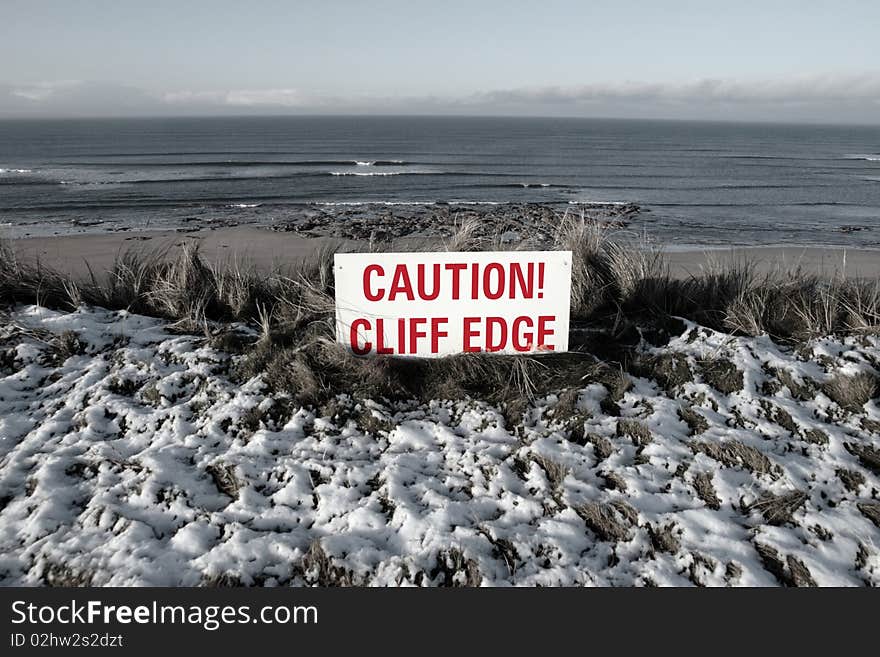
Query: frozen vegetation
{"x": 178, "y": 423}
{"x": 132, "y": 454}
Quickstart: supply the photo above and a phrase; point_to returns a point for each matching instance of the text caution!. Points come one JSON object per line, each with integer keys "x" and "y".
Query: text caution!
{"x": 437, "y": 304}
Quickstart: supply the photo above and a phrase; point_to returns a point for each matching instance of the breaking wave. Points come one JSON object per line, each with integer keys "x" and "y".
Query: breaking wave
{"x": 387, "y": 173}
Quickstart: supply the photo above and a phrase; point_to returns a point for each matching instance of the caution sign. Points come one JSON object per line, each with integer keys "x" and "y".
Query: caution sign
{"x": 441, "y": 303}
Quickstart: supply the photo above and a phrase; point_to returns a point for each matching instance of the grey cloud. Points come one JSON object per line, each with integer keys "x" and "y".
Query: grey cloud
{"x": 74, "y": 98}
{"x": 799, "y": 89}
{"x": 817, "y": 97}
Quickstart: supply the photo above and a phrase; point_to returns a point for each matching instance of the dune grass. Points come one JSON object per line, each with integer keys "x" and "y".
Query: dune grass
{"x": 621, "y": 292}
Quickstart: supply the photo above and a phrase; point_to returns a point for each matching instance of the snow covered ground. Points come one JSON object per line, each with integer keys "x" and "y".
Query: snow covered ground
{"x": 129, "y": 456}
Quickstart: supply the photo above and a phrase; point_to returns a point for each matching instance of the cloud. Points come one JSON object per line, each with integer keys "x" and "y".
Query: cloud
{"x": 76, "y": 98}
{"x": 242, "y": 98}
{"x": 822, "y": 88}
{"x": 815, "y": 97}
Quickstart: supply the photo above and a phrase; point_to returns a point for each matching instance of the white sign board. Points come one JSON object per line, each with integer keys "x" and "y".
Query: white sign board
{"x": 442, "y": 303}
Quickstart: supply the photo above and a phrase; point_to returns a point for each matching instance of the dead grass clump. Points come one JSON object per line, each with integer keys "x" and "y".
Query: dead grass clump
{"x": 696, "y": 423}
{"x": 669, "y": 369}
{"x": 780, "y": 416}
{"x": 797, "y": 306}
{"x": 602, "y": 447}
{"x": 185, "y": 288}
{"x": 851, "y": 393}
{"x": 318, "y": 569}
{"x": 60, "y": 575}
{"x": 502, "y": 549}
{"x": 151, "y": 395}
{"x": 867, "y": 455}
{"x": 617, "y": 383}
{"x": 613, "y": 280}
{"x": 613, "y": 481}
{"x": 805, "y": 391}
{"x": 576, "y": 428}
{"x": 229, "y": 341}
{"x": 706, "y": 490}
{"x": 851, "y": 479}
{"x": 778, "y": 510}
{"x": 871, "y": 510}
{"x": 123, "y": 387}
{"x": 566, "y": 404}
{"x": 22, "y": 282}
{"x": 610, "y": 522}
{"x": 733, "y": 453}
{"x": 816, "y": 437}
{"x": 372, "y": 423}
{"x": 456, "y": 569}
{"x": 318, "y": 368}
{"x": 722, "y": 375}
{"x": 64, "y": 346}
{"x": 791, "y": 572}
{"x": 664, "y": 538}
{"x": 252, "y": 419}
{"x": 711, "y": 297}
{"x": 222, "y": 581}
{"x": 520, "y": 467}
{"x": 593, "y": 282}
{"x": 554, "y": 471}
{"x": 635, "y": 430}
{"x": 224, "y": 479}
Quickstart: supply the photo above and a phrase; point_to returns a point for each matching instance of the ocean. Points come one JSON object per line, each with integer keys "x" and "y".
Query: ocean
{"x": 699, "y": 183}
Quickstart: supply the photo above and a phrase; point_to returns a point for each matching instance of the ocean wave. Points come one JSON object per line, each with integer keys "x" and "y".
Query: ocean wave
{"x": 402, "y": 203}
{"x": 362, "y": 203}
{"x": 97, "y": 183}
{"x": 529, "y": 185}
{"x": 588, "y": 201}
{"x": 861, "y": 156}
{"x": 388, "y": 173}
{"x": 257, "y": 178}
{"x": 2, "y": 170}
{"x": 244, "y": 205}
{"x": 244, "y": 163}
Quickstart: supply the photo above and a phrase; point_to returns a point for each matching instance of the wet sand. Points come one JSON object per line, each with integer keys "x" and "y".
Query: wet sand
{"x": 266, "y": 249}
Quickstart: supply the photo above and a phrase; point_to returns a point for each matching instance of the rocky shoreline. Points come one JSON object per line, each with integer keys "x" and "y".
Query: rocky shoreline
{"x": 513, "y": 221}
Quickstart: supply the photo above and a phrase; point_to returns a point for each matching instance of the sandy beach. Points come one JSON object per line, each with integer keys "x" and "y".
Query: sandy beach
{"x": 266, "y": 249}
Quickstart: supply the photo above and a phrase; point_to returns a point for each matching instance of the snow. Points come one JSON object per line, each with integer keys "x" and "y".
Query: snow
{"x": 131, "y": 461}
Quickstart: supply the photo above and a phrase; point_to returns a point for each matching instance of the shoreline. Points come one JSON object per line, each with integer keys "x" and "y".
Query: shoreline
{"x": 266, "y": 250}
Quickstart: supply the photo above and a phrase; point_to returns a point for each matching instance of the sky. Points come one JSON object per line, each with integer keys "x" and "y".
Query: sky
{"x": 772, "y": 60}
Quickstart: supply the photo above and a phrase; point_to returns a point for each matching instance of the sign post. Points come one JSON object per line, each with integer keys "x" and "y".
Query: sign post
{"x": 433, "y": 304}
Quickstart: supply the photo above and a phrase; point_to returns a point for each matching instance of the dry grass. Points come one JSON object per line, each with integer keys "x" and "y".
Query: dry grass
{"x": 706, "y": 490}
{"x": 637, "y": 432}
{"x": 610, "y": 522}
{"x": 871, "y": 510}
{"x": 696, "y": 423}
{"x": 789, "y": 572}
{"x": 318, "y": 569}
{"x": 722, "y": 375}
{"x": 867, "y": 455}
{"x": 554, "y": 471}
{"x": 779, "y": 509}
{"x": 616, "y": 287}
{"x": 733, "y": 453}
{"x": 456, "y": 569}
{"x": 224, "y": 478}
{"x": 851, "y": 393}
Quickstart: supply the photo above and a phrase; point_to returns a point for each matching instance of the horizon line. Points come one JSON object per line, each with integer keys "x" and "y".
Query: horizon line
{"x": 417, "y": 115}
